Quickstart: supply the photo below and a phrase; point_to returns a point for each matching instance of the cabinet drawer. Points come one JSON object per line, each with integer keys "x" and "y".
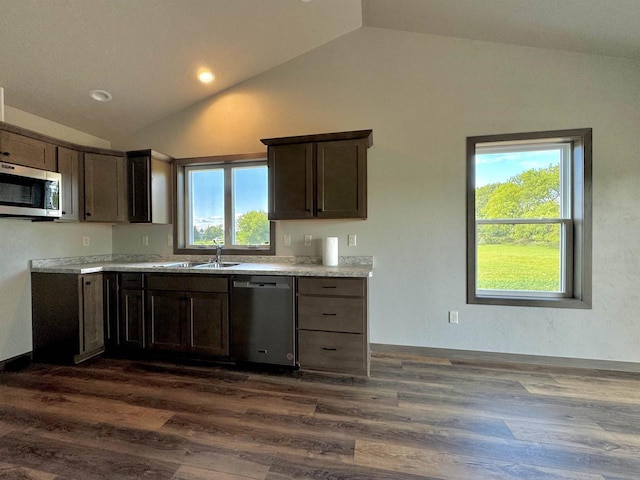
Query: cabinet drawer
{"x": 347, "y": 287}
{"x": 188, "y": 283}
{"x": 341, "y": 352}
{"x": 131, "y": 280}
{"x": 331, "y": 314}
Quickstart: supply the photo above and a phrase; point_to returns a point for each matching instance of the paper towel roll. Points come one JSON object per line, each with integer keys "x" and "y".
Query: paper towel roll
{"x": 330, "y": 252}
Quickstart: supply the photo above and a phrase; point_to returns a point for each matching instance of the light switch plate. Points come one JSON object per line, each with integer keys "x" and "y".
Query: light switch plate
{"x": 351, "y": 240}
{"x": 86, "y": 241}
{"x": 307, "y": 240}
{"x": 286, "y": 240}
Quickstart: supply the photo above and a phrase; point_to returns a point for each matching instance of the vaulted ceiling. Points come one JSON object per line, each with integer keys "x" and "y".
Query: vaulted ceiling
{"x": 147, "y": 53}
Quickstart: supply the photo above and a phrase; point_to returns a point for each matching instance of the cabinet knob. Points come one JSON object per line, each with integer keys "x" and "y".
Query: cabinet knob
{"x": 308, "y": 210}
{"x": 87, "y": 283}
{"x": 6, "y": 154}
{"x": 320, "y": 209}
{"x": 88, "y": 214}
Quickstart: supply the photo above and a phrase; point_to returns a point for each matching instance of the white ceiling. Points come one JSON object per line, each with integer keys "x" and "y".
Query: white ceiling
{"x": 147, "y": 52}
{"x": 603, "y": 27}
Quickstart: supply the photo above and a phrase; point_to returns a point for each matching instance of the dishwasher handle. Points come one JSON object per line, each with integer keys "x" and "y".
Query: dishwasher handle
{"x": 247, "y": 284}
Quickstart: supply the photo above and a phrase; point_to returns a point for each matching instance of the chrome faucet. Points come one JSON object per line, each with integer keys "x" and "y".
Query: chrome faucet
{"x": 218, "y": 253}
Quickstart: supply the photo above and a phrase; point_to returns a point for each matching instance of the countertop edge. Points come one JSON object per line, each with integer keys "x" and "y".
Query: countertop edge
{"x": 298, "y": 270}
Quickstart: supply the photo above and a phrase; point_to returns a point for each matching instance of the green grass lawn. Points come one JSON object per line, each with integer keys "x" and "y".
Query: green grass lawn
{"x": 518, "y": 267}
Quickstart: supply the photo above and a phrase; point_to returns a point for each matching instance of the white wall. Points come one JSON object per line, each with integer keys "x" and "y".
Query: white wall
{"x": 422, "y": 95}
{"x": 53, "y": 129}
{"x": 22, "y": 240}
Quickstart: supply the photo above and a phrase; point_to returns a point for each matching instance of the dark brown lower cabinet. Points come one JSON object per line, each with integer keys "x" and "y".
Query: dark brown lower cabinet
{"x": 67, "y": 316}
{"x": 111, "y": 311}
{"x": 332, "y": 324}
{"x": 131, "y": 312}
{"x": 123, "y": 311}
{"x": 190, "y": 321}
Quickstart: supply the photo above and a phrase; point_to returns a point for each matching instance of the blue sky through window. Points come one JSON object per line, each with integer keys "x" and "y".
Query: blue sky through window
{"x": 208, "y": 191}
{"x": 500, "y": 167}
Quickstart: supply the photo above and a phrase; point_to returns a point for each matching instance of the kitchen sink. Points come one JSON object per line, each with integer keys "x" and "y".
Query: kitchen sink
{"x": 198, "y": 265}
{"x": 216, "y": 265}
{"x": 184, "y": 264}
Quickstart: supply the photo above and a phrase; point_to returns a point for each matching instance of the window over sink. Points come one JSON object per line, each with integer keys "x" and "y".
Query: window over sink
{"x": 222, "y": 201}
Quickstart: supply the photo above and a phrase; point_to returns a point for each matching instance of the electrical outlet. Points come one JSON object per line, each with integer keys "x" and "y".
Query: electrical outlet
{"x": 145, "y": 240}
{"x": 453, "y": 316}
{"x": 351, "y": 240}
{"x": 307, "y": 240}
{"x": 86, "y": 241}
{"x": 169, "y": 240}
{"x": 286, "y": 239}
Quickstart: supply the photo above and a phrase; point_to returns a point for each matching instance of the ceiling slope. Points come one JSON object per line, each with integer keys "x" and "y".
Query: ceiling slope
{"x": 602, "y": 27}
{"x": 147, "y": 52}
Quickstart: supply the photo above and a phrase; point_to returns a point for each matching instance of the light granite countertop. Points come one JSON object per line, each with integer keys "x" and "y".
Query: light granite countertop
{"x": 355, "y": 267}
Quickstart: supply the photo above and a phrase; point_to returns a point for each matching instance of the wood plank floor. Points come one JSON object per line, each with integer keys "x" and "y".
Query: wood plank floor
{"x": 415, "y": 418}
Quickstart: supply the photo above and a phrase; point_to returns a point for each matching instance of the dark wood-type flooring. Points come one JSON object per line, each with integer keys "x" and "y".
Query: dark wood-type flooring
{"x": 415, "y": 418}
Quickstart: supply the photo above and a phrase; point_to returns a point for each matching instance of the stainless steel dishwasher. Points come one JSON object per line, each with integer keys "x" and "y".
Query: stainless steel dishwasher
{"x": 263, "y": 320}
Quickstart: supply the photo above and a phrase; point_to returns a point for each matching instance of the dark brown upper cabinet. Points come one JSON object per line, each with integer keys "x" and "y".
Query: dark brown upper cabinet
{"x": 105, "y": 188}
{"x": 149, "y": 187}
{"x": 26, "y": 150}
{"x": 318, "y": 176}
{"x": 70, "y": 166}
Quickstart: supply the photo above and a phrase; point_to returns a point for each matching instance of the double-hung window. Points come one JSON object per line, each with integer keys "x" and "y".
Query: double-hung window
{"x": 223, "y": 201}
{"x": 529, "y": 219}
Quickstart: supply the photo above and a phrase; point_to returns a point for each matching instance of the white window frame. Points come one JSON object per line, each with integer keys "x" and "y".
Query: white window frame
{"x": 574, "y": 220}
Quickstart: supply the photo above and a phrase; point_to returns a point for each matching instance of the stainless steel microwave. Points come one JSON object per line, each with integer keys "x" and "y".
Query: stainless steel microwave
{"x": 29, "y": 192}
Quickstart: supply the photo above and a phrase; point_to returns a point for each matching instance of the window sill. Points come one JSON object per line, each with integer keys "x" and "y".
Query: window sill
{"x": 575, "y": 303}
{"x": 225, "y": 251}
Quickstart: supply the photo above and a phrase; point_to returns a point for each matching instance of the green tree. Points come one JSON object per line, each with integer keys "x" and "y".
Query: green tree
{"x": 214, "y": 233}
{"x": 534, "y": 193}
{"x": 252, "y": 228}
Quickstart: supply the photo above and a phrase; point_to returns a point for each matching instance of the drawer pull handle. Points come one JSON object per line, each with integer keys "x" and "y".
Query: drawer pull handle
{"x": 329, "y": 349}
{"x": 329, "y": 286}
{"x": 262, "y": 350}
{"x": 330, "y": 314}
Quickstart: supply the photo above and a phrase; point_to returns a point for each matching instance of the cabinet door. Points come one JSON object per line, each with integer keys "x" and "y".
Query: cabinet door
{"x": 341, "y": 179}
{"x": 138, "y": 187}
{"x": 111, "y": 307}
{"x": 208, "y": 318}
{"x": 92, "y": 321}
{"x": 165, "y": 328}
{"x": 104, "y": 187}
{"x": 69, "y": 166}
{"x": 131, "y": 318}
{"x": 291, "y": 181}
{"x": 27, "y": 151}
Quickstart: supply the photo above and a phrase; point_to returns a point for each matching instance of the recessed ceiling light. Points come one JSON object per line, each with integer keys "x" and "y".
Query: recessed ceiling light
{"x": 100, "y": 95}
{"x": 206, "y": 77}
